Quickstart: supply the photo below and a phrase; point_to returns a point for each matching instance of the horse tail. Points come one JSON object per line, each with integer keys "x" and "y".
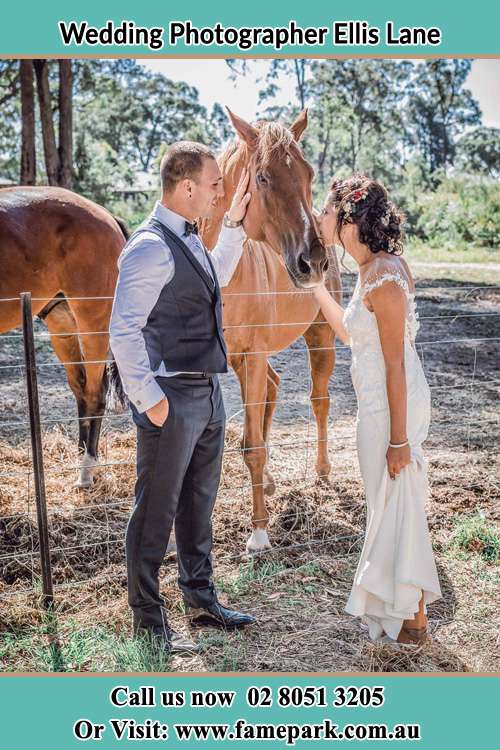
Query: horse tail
{"x": 115, "y": 384}
{"x": 124, "y": 229}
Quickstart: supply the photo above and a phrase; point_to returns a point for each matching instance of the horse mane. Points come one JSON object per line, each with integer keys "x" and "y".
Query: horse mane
{"x": 227, "y": 154}
{"x": 274, "y": 142}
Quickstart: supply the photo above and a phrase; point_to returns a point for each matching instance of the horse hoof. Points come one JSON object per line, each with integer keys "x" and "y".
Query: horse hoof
{"x": 84, "y": 483}
{"x": 258, "y": 541}
{"x": 86, "y": 477}
{"x": 323, "y": 480}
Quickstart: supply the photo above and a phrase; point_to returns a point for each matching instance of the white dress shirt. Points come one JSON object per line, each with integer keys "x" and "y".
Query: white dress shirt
{"x": 145, "y": 266}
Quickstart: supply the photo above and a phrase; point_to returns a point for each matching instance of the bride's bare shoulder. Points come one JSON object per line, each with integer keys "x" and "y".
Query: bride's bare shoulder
{"x": 383, "y": 267}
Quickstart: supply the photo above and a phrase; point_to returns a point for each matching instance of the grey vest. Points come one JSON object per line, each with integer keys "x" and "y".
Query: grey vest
{"x": 184, "y": 328}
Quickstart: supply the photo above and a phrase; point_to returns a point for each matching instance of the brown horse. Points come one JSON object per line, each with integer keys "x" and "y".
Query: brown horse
{"x": 266, "y": 305}
{"x": 63, "y": 248}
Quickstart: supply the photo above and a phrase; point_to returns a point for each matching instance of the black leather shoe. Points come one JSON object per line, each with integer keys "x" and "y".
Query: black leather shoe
{"x": 218, "y": 616}
{"x": 168, "y": 639}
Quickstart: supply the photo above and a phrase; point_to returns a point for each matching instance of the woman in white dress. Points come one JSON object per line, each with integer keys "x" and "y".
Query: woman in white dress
{"x": 396, "y": 575}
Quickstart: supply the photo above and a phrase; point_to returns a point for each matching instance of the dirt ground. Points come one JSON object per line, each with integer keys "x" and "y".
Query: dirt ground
{"x": 299, "y": 588}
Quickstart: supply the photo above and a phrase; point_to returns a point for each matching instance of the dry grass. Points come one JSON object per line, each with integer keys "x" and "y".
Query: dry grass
{"x": 297, "y": 590}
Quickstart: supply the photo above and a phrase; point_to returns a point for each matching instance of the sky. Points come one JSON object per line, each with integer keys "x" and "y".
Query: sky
{"x": 211, "y": 78}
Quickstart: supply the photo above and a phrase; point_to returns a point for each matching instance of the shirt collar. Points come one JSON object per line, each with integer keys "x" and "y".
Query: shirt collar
{"x": 172, "y": 220}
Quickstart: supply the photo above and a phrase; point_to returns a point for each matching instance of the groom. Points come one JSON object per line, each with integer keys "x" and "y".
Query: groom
{"x": 167, "y": 338}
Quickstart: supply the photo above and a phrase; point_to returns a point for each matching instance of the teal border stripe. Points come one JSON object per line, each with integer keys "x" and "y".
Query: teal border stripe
{"x": 453, "y": 713}
{"x": 468, "y": 29}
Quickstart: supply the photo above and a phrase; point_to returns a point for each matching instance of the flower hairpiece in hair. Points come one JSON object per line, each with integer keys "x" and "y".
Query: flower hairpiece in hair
{"x": 356, "y": 197}
{"x": 386, "y": 217}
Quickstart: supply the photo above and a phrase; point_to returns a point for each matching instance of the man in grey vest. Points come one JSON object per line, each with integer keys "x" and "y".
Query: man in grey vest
{"x": 167, "y": 338}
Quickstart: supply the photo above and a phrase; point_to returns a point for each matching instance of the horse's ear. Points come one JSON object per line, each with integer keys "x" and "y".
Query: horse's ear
{"x": 299, "y": 125}
{"x": 246, "y": 132}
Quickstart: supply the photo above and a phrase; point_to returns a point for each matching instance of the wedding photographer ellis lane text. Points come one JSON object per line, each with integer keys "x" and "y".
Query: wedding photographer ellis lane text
{"x": 352, "y": 33}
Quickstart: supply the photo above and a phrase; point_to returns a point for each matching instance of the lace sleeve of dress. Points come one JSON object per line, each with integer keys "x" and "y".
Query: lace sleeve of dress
{"x": 383, "y": 271}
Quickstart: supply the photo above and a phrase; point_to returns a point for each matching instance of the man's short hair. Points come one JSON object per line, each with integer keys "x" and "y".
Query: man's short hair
{"x": 183, "y": 160}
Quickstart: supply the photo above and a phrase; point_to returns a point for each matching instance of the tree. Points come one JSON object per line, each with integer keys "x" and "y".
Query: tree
{"x": 135, "y": 110}
{"x": 218, "y": 127}
{"x": 65, "y": 124}
{"x": 28, "y": 149}
{"x": 123, "y": 114}
{"x": 357, "y": 123}
{"x": 47, "y": 121}
{"x": 58, "y": 158}
{"x": 296, "y": 69}
{"x": 440, "y": 110}
{"x": 10, "y": 84}
{"x": 479, "y": 151}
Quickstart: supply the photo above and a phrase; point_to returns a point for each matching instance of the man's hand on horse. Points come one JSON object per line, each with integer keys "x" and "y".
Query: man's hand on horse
{"x": 159, "y": 412}
{"x": 239, "y": 204}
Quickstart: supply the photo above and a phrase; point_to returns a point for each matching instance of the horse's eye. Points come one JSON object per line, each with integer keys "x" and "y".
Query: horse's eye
{"x": 261, "y": 179}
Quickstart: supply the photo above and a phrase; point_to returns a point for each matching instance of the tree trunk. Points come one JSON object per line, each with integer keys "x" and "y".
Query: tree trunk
{"x": 48, "y": 133}
{"x": 28, "y": 151}
{"x": 300, "y": 74}
{"x": 323, "y": 153}
{"x": 65, "y": 124}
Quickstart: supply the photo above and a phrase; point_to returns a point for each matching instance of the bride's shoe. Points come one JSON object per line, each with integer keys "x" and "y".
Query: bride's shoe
{"x": 415, "y": 631}
{"x": 413, "y": 636}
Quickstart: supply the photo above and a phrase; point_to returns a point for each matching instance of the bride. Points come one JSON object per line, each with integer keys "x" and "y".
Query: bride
{"x": 396, "y": 575}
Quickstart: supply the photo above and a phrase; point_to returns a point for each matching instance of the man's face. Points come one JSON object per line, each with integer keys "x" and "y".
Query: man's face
{"x": 206, "y": 189}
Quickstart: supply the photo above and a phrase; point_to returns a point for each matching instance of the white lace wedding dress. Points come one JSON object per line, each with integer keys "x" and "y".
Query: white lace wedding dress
{"x": 397, "y": 562}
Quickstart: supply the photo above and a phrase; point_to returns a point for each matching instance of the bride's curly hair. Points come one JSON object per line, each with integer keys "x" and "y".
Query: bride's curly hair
{"x": 365, "y": 202}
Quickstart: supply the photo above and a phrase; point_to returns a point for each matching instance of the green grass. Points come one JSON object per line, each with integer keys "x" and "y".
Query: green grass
{"x": 425, "y": 253}
{"x": 227, "y": 651}
{"x": 418, "y": 254}
{"x": 95, "y": 649}
{"x": 474, "y": 536}
{"x": 254, "y": 571}
{"x": 260, "y": 572}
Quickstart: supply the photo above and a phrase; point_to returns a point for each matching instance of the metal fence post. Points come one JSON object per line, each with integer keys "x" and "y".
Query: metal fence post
{"x": 36, "y": 446}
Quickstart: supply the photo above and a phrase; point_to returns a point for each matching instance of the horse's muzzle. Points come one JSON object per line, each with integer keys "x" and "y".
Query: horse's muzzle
{"x": 307, "y": 268}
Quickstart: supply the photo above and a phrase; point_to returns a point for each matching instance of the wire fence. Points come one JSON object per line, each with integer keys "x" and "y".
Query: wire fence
{"x": 42, "y": 540}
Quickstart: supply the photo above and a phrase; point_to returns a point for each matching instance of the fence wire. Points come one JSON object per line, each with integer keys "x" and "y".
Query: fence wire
{"x": 97, "y": 528}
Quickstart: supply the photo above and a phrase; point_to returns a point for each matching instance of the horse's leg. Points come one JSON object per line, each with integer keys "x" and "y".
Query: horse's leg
{"x": 252, "y": 373}
{"x": 320, "y": 341}
{"x": 273, "y": 381}
{"x": 92, "y": 316}
{"x": 66, "y": 343}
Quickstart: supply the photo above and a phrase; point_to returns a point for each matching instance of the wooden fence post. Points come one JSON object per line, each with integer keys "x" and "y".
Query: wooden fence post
{"x": 36, "y": 446}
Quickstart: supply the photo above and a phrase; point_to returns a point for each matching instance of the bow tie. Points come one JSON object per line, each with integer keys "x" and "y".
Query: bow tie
{"x": 190, "y": 228}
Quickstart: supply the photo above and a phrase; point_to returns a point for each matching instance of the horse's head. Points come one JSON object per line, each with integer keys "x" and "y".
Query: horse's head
{"x": 280, "y": 209}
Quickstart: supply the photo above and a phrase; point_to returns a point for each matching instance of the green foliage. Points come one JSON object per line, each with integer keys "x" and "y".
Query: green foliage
{"x": 251, "y": 572}
{"x": 10, "y": 114}
{"x": 415, "y": 127}
{"x": 98, "y": 168}
{"x": 479, "y": 151}
{"x": 475, "y": 536}
{"x": 133, "y": 212}
{"x": 439, "y": 110}
{"x": 93, "y": 649}
{"x": 123, "y": 113}
{"x": 462, "y": 210}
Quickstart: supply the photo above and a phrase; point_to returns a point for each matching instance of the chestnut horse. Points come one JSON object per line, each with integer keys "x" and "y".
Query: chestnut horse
{"x": 266, "y": 305}
{"x": 63, "y": 249}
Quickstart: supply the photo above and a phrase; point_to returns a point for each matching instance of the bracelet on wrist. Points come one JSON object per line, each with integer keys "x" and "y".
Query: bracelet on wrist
{"x": 398, "y": 445}
{"x": 230, "y": 223}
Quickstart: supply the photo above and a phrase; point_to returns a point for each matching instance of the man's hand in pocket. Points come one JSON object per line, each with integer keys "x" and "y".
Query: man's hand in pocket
{"x": 159, "y": 412}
